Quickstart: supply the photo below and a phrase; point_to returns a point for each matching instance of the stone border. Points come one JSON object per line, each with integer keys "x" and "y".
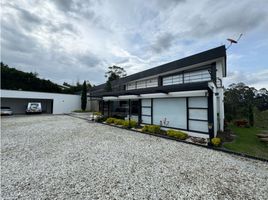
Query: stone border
{"x": 178, "y": 140}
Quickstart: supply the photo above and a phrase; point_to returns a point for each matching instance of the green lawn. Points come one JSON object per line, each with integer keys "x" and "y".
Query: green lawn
{"x": 247, "y": 142}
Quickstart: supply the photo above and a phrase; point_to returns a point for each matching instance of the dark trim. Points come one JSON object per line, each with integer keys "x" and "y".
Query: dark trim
{"x": 210, "y": 113}
{"x": 187, "y": 112}
{"x": 152, "y": 106}
{"x": 52, "y": 102}
{"x": 198, "y": 108}
{"x": 213, "y": 72}
{"x": 200, "y": 120}
{"x": 169, "y": 88}
{"x": 129, "y": 111}
{"x": 139, "y": 113}
{"x": 146, "y": 115}
{"x": 146, "y": 106}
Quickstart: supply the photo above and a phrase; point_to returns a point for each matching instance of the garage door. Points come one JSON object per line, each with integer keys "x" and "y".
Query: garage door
{"x": 170, "y": 112}
{"x": 19, "y": 105}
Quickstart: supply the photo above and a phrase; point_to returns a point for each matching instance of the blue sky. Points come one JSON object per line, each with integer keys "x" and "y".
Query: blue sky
{"x": 78, "y": 39}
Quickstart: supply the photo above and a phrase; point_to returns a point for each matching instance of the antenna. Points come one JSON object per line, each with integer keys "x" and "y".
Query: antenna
{"x": 232, "y": 41}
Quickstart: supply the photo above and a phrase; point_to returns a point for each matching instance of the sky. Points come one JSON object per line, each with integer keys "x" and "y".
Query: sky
{"x": 76, "y": 40}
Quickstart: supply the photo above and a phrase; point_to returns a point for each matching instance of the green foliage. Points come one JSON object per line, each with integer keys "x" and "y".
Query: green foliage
{"x": 119, "y": 122}
{"x": 113, "y": 73}
{"x": 13, "y": 79}
{"x": 101, "y": 119}
{"x": 239, "y": 100}
{"x": 151, "y": 129}
{"x": 177, "y": 134}
{"x": 110, "y": 120}
{"x": 84, "y": 96}
{"x": 74, "y": 89}
{"x": 154, "y": 129}
{"x": 261, "y": 118}
{"x": 97, "y": 113}
{"x": 247, "y": 142}
{"x": 131, "y": 124}
{"x": 216, "y": 141}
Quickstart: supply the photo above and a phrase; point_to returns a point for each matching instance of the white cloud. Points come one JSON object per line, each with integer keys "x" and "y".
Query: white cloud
{"x": 78, "y": 39}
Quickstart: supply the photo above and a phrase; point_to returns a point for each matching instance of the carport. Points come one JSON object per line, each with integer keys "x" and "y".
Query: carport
{"x": 19, "y": 105}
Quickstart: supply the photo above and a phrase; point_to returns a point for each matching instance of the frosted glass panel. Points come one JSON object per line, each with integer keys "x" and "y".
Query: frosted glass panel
{"x": 198, "y": 102}
{"x": 146, "y": 119}
{"x": 198, "y": 114}
{"x": 146, "y": 111}
{"x": 198, "y": 126}
{"x": 146, "y": 102}
{"x": 171, "y": 109}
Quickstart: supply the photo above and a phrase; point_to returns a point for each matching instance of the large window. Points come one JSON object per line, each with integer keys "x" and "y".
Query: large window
{"x": 153, "y": 82}
{"x": 172, "y": 80}
{"x": 197, "y": 76}
{"x": 187, "y": 77}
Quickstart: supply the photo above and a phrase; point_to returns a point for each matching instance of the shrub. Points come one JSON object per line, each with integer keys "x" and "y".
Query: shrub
{"x": 216, "y": 141}
{"x": 110, "y": 120}
{"x": 241, "y": 123}
{"x": 119, "y": 121}
{"x": 145, "y": 128}
{"x": 96, "y": 113}
{"x": 154, "y": 129}
{"x": 130, "y": 123}
{"x": 101, "y": 119}
{"x": 151, "y": 129}
{"x": 177, "y": 134}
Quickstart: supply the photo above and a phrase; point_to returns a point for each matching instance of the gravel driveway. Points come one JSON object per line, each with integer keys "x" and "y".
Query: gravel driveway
{"x": 61, "y": 157}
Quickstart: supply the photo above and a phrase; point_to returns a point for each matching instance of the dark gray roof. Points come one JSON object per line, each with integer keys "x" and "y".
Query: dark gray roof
{"x": 211, "y": 54}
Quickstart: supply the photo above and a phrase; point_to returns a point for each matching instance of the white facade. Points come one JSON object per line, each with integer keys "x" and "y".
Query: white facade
{"x": 62, "y": 103}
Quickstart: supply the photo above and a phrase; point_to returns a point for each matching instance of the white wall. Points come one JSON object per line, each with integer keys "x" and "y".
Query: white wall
{"x": 62, "y": 103}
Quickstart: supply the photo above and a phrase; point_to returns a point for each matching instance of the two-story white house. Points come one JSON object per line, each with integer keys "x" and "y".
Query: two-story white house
{"x": 185, "y": 94}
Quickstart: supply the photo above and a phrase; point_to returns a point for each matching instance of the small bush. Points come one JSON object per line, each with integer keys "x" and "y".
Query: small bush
{"x": 101, "y": 119}
{"x": 131, "y": 124}
{"x": 151, "y": 129}
{"x": 145, "y": 128}
{"x": 96, "y": 113}
{"x": 154, "y": 129}
{"x": 119, "y": 122}
{"x": 241, "y": 123}
{"x": 216, "y": 141}
{"x": 110, "y": 120}
{"x": 177, "y": 134}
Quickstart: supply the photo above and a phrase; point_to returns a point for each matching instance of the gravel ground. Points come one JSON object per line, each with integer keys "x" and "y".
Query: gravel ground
{"x": 61, "y": 157}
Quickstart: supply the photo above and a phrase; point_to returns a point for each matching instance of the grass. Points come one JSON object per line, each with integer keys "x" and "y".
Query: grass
{"x": 247, "y": 142}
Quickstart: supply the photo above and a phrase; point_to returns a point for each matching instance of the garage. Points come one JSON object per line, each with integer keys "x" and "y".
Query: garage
{"x": 19, "y": 105}
{"x": 52, "y": 103}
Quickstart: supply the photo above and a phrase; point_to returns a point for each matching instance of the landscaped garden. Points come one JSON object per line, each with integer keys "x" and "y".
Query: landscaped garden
{"x": 246, "y": 141}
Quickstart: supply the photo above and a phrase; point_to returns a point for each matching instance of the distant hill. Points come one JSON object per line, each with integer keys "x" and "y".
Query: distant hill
{"x": 13, "y": 79}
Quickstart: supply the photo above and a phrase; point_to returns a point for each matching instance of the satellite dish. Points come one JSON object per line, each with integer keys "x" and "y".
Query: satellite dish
{"x": 232, "y": 41}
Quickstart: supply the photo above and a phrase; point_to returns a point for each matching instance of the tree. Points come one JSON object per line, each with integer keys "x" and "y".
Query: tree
{"x": 114, "y": 72}
{"x": 84, "y": 96}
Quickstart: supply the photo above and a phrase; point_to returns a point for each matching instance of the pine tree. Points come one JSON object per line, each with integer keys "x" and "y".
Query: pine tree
{"x": 84, "y": 97}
